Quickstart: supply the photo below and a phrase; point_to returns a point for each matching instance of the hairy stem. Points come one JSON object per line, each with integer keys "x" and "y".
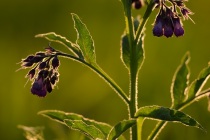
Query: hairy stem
{"x": 133, "y": 71}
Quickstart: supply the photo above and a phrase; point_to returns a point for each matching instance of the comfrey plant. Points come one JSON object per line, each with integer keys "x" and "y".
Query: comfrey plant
{"x": 44, "y": 73}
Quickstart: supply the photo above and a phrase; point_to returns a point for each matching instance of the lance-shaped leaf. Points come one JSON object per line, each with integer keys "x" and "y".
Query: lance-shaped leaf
{"x": 61, "y": 117}
{"x": 89, "y": 130}
{"x": 119, "y": 128}
{"x": 84, "y": 40}
{"x": 180, "y": 81}
{"x": 197, "y": 85}
{"x": 125, "y": 51}
{"x": 140, "y": 52}
{"x": 167, "y": 114}
{"x": 62, "y": 40}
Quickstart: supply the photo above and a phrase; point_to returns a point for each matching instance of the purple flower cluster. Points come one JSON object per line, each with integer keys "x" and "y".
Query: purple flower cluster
{"x": 168, "y": 21}
{"x": 44, "y": 71}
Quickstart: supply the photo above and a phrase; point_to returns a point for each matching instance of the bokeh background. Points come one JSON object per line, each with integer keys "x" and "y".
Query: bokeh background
{"x": 82, "y": 91}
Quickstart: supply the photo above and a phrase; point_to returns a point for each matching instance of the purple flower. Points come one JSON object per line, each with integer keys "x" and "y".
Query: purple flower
{"x": 39, "y": 88}
{"x": 168, "y": 28}
{"x": 158, "y": 26}
{"x": 178, "y": 29}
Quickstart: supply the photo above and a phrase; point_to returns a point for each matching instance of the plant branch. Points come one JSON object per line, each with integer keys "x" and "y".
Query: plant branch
{"x": 102, "y": 74}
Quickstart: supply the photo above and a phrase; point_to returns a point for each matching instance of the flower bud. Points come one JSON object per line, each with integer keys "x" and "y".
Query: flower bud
{"x": 55, "y": 62}
{"x": 31, "y": 73}
{"x": 37, "y": 58}
{"x": 28, "y": 59}
{"x": 48, "y": 85}
{"x": 42, "y": 65}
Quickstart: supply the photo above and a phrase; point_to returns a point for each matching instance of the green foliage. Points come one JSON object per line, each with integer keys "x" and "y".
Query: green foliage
{"x": 167, "y": 114}
{"x": 32, "y": 133}
{"x": 119, "y": 128}
{"x": 197, "y": 85}
{"x": 62, "y": 40}
{"x": 84, "y": 40}
{"x": 125, "y": 51}
{"x": 91, "y": 128}
{"x": 180, "y": 81}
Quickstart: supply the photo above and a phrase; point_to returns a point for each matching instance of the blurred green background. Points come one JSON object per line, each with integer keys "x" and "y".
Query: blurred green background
{"x": 82, "y": 91}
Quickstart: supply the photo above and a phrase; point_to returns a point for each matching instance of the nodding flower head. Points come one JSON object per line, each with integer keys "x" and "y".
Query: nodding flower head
{"x": 168, "y": 21}
{"x": 43, "y": 71}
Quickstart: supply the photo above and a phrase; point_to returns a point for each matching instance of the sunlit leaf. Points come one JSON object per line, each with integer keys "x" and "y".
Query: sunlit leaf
{"x": 125, "y": 51}
{"x": 32, "y": 133}
{"x": 61, "y": 117}
{"x": 167, "y": 114}
{"x": 197, "y": 85}
{"x": 90, "y": 130}
{"x": 119, "y": 128}
{"x": 84, "y": 40}
{"x": 140, "y": 52}
{"x": 180, "y": 81}
{"x": 138, "y": 57}
{"x": 62, "y": 40}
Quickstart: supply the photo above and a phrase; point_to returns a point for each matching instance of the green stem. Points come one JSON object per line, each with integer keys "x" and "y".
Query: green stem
{"x": 100, "y": 72}
{"x": 133, "y": 65}
{"x": 140, "y": 121}
{"x": 146, "y": 16}
{"x": 162, "y": 124}
{"x": 133, "y": 72}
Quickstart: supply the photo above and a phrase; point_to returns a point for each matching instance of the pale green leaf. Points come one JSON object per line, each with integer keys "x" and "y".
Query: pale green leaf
{"x": 89, "y": 130}
{"x": 61, "y": 117}
{"x": 197, "y": 85}
{"x": 119, "y": 128}
{"x": 167, "y": 114}
{"x": 84, "y": 40}
{"x": 140, "y": 52}
{"x": 180, "y": 81}
{"x": 62, "y": 40}
{"x": 125, "y": 51}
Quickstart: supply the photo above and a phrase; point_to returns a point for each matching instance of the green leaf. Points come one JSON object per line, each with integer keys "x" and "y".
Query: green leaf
{"x": 62, "y": 40}
{"x": 140, "y": 52}
{"x": 84, "y": 40}
{"x": 125, "y": 51}
{"x": 32, "y": 133}
{"x": 90, "y": 130}
{"x": 197, "y": 85}
{"x": 180, "y": 81}
{"x": 167, "y": 114}
{"x": 119, "y": 128}
{"x": 62, "y": 117}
